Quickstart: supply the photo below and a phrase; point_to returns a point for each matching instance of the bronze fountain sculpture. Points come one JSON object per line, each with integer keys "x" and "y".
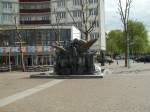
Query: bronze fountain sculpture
{"x": 75, "y": 58}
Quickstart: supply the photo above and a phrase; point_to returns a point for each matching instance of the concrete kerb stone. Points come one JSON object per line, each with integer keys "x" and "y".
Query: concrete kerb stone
{"x": 54, "y": 76}
{"x": 67, "y": 76}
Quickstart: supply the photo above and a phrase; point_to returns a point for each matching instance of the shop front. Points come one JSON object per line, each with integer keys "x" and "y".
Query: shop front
{"x": 33, "y": 56}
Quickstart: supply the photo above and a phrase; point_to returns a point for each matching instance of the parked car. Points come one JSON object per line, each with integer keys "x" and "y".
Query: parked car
{"x": 106, "y": 60}
{"x": 143, "y": 59}
{"x": 120, "y": 57}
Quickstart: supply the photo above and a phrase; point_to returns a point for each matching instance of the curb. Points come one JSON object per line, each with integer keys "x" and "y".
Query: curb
{"x": 66, "y": 76}
{"x": 52, "y": 76}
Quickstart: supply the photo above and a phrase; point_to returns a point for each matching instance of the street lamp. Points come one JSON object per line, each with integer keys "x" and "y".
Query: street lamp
{"x": 7, "y": 45}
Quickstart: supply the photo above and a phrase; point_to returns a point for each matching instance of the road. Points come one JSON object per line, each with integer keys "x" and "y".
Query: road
{"x": 113, "y": 93}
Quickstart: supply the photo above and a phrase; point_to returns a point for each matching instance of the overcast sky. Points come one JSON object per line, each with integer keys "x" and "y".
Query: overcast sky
{"x": 140, "y": 12}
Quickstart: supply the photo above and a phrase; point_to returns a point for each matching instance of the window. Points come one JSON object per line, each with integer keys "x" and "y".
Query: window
{"x": 6, "y": 17}
{"x": 93, "y": 12}
{"x": 97, "y": 24}
{"x": 45, "y": 18}
{"x": 35, "y": 6}
{"x": 26, "y": 18}
{"x": 77, "y": 2}
{"x": 77, "y": 13}
{"x": 7, "y": 5}
{"x": 94, "y": 35}
{"x": 61, "y": 15}
{"x": 93, "y": 1}
{"x": 61, "y": 3}
{"x": 94, "y": 23}
{"x": 79, "y": 24}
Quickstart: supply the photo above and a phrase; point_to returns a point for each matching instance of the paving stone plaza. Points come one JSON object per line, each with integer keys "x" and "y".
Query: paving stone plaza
{"x": 121, "y": 90}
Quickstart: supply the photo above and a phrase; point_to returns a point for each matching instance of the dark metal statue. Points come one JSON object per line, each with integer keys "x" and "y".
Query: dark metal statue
{"x": 75, "y": 58}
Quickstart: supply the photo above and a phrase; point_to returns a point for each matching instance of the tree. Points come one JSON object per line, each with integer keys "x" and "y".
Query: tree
{"x": 114, "y": 42}
{"x": 20, "y": 42}
{"x": 148, "y": 49}
{"x": 87, "y": 22}
{"x": 56, "y": 26}
{"x": 138, "y": 37}
{"x": 124, "y": 14}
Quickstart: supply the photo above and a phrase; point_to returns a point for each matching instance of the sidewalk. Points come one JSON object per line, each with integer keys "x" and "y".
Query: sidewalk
{"x": 120, "y": 68}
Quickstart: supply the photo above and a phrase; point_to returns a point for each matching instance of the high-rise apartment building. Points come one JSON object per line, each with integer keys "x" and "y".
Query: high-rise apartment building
{"x": 9, "y": 10}
{"x": 49, "y": 12}
{"x": 35, "y": 18}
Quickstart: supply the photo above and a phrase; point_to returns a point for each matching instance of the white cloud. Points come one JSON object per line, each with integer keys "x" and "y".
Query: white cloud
{"x": 140, "y": 11}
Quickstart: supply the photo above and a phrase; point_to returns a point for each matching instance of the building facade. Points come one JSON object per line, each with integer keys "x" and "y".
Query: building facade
{"x": 35, "y": 12}
{"x": 37, "y": 47}
{"x": 71, "y": 12}
{"x": 39, "y": 20}
{"x": 9, "y": 12}
{"x": 56, "y": 12}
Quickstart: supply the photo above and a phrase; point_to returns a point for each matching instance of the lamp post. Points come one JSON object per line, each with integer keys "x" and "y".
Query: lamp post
{"x": 9, "y": 61}
{"x": 7, "y": 45}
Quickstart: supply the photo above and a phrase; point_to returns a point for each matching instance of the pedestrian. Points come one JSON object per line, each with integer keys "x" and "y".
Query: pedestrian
{"x": 117, "y": 62}
{"x": 109, "y": 62}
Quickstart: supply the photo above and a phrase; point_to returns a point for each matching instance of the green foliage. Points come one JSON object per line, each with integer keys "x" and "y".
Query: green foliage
{"x": 115, "y": 42}
{"x": 138, "y": 39}
{"x": 148, "y": 49}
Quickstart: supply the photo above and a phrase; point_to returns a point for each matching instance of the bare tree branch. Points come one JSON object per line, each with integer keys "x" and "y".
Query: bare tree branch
{"x": 19, "y": 37}
{"x": 95, "y": 20}
{"x": 56, "y": 26}
{"x": 74, "y": 22}
{"x": 86, "y": 28}
{"x": 124, "y": 15}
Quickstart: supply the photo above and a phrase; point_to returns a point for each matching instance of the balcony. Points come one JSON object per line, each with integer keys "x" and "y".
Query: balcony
{"x": 35, "y": 22}
{"x": 35, "y": 10}
{"x": 34, "y": 0}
